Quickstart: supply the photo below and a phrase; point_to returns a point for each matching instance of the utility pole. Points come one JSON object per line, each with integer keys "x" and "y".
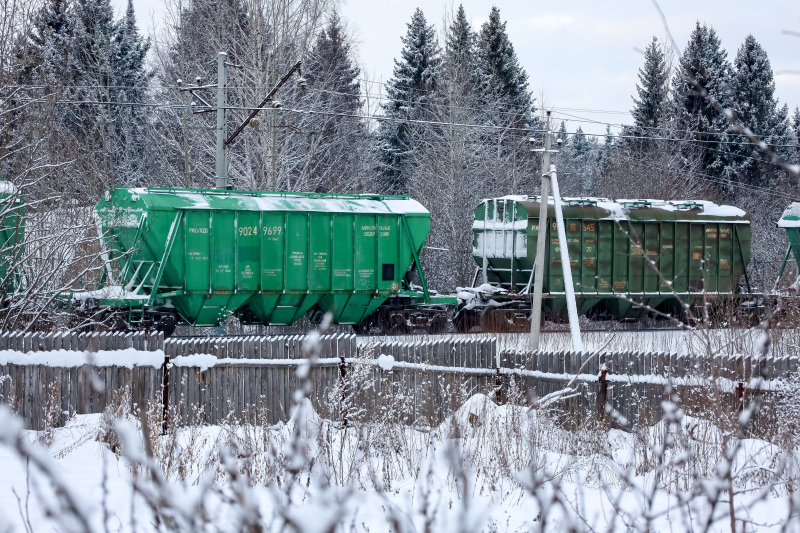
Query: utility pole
{"x": 566, "y": 266}
{"x": 536, "y": 305}
{"x": 222, "y": 120}
{"x": 221, "y": 108}
{"x": 549, "y": 178}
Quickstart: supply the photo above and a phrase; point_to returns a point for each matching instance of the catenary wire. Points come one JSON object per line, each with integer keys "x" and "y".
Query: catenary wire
{"x": 394, "y": 119}
{"x": 561, "y": 113}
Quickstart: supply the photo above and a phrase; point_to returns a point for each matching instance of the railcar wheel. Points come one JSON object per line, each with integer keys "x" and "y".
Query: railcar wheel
{"x": 361, "y": 329}
{"x": 399, "y": 326}
{"x": 167, "y": 324}
{"x": 462, "y": 321}
{"x": 438, "y": 323}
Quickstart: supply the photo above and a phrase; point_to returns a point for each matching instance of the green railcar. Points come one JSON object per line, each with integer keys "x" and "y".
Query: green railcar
{"x": 265, "y": 257}
{"x": 790, "y": 221}
{"x": 626, "y": 256}
{"x": 12, "y": 235}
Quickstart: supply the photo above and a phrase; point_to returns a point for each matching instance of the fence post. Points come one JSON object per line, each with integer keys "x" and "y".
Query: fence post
{"x": 165, "y": 393}
{"x": 602, "y": 395}
{"x": 343, "y": 399}
{"x": 499, "y": 393}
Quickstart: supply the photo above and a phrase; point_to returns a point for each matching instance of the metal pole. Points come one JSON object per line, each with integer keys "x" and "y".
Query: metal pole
{"x": 536, "y": 305}
{"x": 566, "y": 267}
{"x": 222, "y": 115}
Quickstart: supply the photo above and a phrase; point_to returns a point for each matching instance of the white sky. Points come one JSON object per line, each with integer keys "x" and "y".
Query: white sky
{"x": 584, "y": 55}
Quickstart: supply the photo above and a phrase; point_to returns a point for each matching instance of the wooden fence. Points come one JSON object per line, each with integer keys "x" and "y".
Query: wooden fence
{"x": 93, "y": 342}
{"x": 214, "y": 379}
{"x": 634, "y": 384}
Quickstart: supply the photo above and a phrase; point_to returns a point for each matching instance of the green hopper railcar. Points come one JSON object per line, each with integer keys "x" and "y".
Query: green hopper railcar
{"x": 790, "y": 221}
{"x": 627, "y": 257}
{"x": 12, "y": 236}
{"x": 266, "y": 257}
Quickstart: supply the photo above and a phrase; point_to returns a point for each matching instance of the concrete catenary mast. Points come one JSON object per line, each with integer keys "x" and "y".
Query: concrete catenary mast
{"x": 548, "y": 175}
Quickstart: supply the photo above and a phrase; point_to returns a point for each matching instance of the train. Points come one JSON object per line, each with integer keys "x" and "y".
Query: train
{"x": 12, "y": 237}
{"x": 199, "y": 256}
{"x": 628, "y": 258}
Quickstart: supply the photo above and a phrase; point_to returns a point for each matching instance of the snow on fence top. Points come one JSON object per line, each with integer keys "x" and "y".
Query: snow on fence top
{"x": 439, "y": 354}
{"x": 127, "y": 358}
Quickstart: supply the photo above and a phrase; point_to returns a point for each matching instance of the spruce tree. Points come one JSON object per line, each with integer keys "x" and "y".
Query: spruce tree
{"x": 580, "y": 144}
{"x": 562, "y": 134}
{"x": 92, "y": 69}
{"x": 578, "y": 163}
{"x": 754, "y": 104}
{"x": 796, "y": 128}
{"x": 506, "y": 80}
{"x": 335, "y": 142}
{"x": 410, "y": 89}
{"x": 448, "y": 164}
{"x": 460, "y": 58}
{"x": 131, "y": 79}
{"x": 43, "y": 55}
{"x": 653, "y": 92}
{"x": 704, "y": 63}
{"x": 609, "y": 138}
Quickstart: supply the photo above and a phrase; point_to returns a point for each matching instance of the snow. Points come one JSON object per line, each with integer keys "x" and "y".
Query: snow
{"x": 6, "y": 187}
{"x": 284, "y": 202}
{"x": 790, "y": 217}
{"x": 109, "y": 292}
{"x": 484, "y": 293}
{"x": 127, "y": 358}
{"x": 492, "y": 494}
{"x": 206, "y": 361}
{"x": 501, "y": 244}
{"x": 386, "y": 362}
{"x": 620, "y": 209}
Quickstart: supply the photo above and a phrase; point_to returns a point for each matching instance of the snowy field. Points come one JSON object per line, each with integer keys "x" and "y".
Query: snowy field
{"x": 488, "y": 468}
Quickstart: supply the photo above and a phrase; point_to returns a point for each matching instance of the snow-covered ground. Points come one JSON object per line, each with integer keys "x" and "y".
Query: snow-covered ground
{"x": 488, "y": 468}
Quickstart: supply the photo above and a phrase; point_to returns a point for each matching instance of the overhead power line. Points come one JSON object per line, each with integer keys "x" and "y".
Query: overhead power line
{"x": 490, "y": 127}
{"x": 560, "y": 113}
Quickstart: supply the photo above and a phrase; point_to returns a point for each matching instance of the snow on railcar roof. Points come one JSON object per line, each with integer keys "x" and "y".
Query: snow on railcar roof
{"x": 6, "y": 187}
{"x": 278, "y": 201}
{"x": 620, "y": 209}
{"x": 790, "y": 217}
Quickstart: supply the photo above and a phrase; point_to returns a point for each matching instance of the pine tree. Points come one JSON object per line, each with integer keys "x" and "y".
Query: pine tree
{"x": 410, "y": 89}
{"x": 704, "y": 63}
{"x": 653, "y": 92}
{"x": 506, "y": 80}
